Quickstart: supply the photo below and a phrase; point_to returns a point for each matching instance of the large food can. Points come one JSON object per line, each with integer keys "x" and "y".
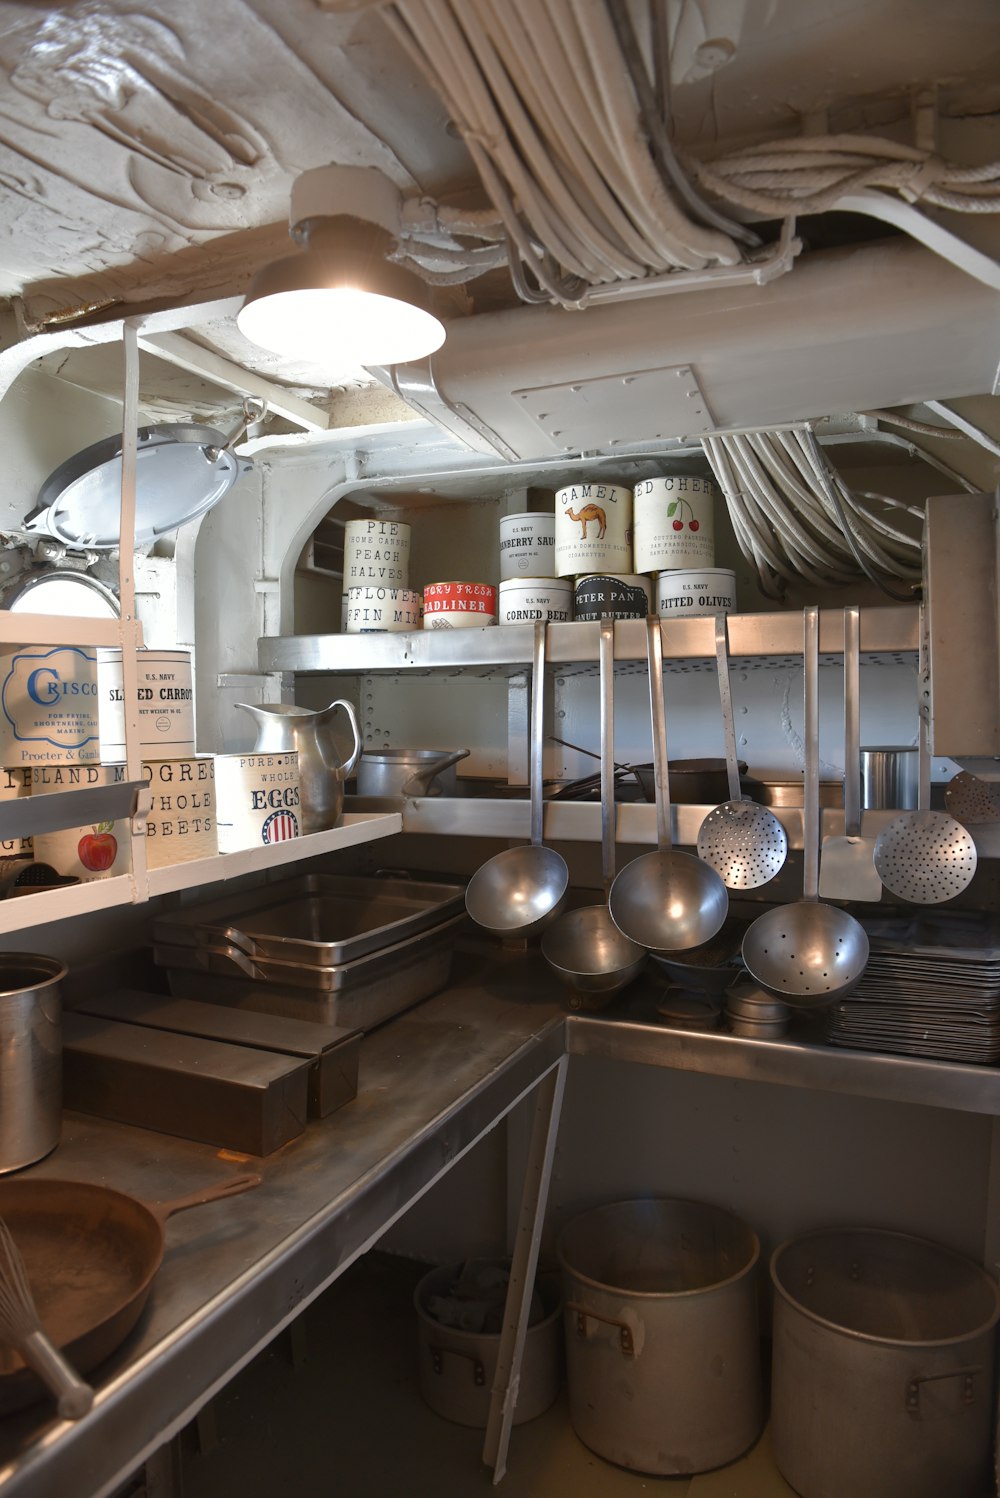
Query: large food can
{"x": 705, "y": 590}
{"x": 674, "y": 523}
{"x": 459, "y": 605}
{"x": 377, "y": 554}
{"x": 48, "y": 705}
{"x": 181, "y": 822}
{"x": 373, "y": 611}
{"x": 165, "y": 702}
{"x": 15, "y": 781}
{"x": 527, "y": 545}
{"x": 662, "y": 1348}
{"x": 526, "y": 600}
{"x": 593, "y": 530}
{"x": 257, "y": 799}
{"x": 99, "y": 850}
{"x": 629, "y": 597}
{"x": 883, "y": 1375}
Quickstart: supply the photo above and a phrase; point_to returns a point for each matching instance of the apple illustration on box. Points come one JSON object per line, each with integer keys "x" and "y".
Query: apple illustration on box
{"x": 97, "y": 848}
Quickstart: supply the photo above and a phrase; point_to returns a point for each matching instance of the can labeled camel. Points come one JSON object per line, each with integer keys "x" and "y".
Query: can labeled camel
{"x": 593, "y": 530}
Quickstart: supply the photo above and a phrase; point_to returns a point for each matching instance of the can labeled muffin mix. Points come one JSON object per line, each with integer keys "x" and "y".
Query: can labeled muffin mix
{"x": 593, "y": 530}
{"x": 527, "y": 545}
{"x": 674, "y": 523}
{"x": 372, "y": 610}
{"x": 704, "y": 590}
{"x": 459, "y": 605}
{"x": 628, "y": 597}
{"x": 526, "y": 600}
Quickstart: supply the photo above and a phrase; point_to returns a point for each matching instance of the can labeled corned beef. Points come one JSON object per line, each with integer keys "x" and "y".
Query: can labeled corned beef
{"x": 526, "y": 600}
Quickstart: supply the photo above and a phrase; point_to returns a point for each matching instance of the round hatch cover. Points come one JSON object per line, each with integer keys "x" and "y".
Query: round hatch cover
{"x": 182, "y": 470}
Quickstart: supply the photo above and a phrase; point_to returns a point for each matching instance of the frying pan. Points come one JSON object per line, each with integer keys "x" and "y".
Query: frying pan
{"x": 91, "y": 1254}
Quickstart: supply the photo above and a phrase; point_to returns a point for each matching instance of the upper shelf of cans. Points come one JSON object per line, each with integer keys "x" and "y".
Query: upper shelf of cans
{"x": 603, "y": 549}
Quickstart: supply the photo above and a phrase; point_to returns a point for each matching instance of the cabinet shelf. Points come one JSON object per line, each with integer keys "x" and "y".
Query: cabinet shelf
{"x": 43, "y": 905}
{"x": 505, "y": 650}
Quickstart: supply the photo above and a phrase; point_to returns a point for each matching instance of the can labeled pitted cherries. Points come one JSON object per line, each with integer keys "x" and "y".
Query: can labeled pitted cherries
{"x": 593, "y": 530}
{"x": 674, "y": 523}
{"x": 459, "y": 605}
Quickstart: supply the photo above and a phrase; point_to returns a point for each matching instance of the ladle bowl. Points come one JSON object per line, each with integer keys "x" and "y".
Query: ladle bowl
{"x": 807, "y": 954}
{"x": 518, "y": 891}
{"x": 588, "y": 952}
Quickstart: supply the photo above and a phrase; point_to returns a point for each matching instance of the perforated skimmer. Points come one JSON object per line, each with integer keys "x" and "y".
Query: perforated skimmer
{"x": 744, "y": 842}
{"x": 925, "y": 856}
{"x": 972, "y": 801}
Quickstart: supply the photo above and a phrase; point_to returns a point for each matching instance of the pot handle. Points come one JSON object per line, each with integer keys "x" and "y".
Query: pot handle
{"x": 423, "y": 778}
{"x": 437, "y": 1361}
{"x": 223, "y": 960}
{"x": 626, "y": 1340}
{"x": 235, "y": 1186}
{"x": 913, "y": 1385}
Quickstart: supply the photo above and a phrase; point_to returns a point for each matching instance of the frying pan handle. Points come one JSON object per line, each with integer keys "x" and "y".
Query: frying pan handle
{"x": 235, "y": 1186}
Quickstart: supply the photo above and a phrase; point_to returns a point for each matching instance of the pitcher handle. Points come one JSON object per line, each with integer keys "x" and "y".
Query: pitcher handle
{"x": 347, "y": 770}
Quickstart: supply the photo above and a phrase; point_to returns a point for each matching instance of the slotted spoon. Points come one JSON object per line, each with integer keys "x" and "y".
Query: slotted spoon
{"x": 742, "y": 841}
{"x": 925, "y": 856}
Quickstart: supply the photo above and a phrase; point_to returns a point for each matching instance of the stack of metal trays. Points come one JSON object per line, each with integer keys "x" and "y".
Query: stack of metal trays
{"x": 931, "y": 988}
{"x": 336, "y": 949}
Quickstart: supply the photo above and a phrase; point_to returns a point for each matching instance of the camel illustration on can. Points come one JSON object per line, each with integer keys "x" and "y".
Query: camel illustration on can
{"x": 585, "y": 516}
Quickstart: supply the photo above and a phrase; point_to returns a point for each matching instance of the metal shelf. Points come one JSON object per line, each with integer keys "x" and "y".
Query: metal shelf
{"x": 506, "y": 649}
{"x": 18, "y": 913}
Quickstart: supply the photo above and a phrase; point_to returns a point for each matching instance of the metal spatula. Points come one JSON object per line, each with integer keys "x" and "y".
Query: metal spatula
{"x": 848, "y": 871}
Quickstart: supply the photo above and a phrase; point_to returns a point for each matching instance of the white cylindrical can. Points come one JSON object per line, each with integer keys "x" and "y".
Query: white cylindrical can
{"x": 376, "y": 554}
{"x": 701, "y": 590}
{"x": 372, "y": 610}
{"x": 181, "y": 821}
{"x": 14, "y": 782}
{"x": 526, "y": 600}
{"x": 674, "y": 523}
{"x": 257, "y": 799}
{"x": 628, "y": 597}
{"x": 527, "y": 545}
{"x": 98, "y": 851}
{"x": 48, "y": 705}
{"x": 593, "y": 530}
{"x": 459, "y": 605}
{"x": 166, "y": 703}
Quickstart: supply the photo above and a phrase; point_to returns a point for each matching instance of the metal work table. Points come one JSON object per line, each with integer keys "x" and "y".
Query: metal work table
{"x": 433, "y": 1082}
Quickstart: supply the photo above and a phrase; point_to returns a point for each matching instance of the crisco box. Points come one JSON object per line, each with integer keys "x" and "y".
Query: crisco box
{"x": 48, "y": 705}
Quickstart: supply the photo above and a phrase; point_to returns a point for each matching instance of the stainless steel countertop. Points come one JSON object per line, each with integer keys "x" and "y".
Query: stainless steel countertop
{"x": 432, "y": 1082}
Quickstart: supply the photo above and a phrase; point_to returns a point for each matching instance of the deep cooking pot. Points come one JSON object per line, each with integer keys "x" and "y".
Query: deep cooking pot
{"x": 409, "y": 772}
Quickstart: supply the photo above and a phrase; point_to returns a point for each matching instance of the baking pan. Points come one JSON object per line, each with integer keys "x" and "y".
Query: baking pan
{"x": 330, "y": 1051}
{"x": 318, "y": 919}
{"x": 357, "y": 995}
{"x": 229, "y": 1096}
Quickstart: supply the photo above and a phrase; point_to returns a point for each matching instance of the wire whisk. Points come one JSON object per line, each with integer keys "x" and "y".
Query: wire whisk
{"x": 21, "y": 1326}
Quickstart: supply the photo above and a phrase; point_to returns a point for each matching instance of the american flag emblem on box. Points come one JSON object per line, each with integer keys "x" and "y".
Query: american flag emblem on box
{"x": 279, "y": 827}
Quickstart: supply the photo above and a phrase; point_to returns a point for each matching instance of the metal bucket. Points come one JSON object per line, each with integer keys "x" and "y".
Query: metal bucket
{"x": 30, "y": 1057}
{"x": 883, "y": 1366}
{"x": 458, "y": 1367}
{"x": 662, "y": 1347}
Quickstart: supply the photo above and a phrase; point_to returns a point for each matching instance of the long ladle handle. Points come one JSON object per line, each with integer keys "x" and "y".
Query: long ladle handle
{"x": 607, "y": 665}
{"x": 852, "y": 721}
{"x": 810, "y": 732}
{"x": 537, "y": 714}
{"x": 726, "y": 699}
{"x": 657, "y": 714}
{"x": 923, "y": 714}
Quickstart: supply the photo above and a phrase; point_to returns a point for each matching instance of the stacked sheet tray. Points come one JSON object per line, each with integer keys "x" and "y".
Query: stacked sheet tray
{"x": 931, "y": 988}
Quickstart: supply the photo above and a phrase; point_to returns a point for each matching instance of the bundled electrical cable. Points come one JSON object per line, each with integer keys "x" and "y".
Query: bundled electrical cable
{"x": 795, "y": 518}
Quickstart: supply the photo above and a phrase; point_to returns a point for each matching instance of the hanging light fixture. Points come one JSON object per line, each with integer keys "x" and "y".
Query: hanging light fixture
{"x": 339, "y": 298}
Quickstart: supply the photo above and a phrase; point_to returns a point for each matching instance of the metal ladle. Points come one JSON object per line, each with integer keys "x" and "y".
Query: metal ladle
{"x": 520, "y": 890}
{"x": 585, "y": 947}
{"x": 807, "y": 954}
{"x": 667, "y": 901}
{"x": 744, "y": 842}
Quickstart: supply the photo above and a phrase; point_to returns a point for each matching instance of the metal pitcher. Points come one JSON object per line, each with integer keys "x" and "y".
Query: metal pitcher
{"x": 282, "y": 727}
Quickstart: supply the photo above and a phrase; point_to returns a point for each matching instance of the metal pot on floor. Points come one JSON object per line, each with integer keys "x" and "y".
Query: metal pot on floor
{"x": 662, "y": 1347}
